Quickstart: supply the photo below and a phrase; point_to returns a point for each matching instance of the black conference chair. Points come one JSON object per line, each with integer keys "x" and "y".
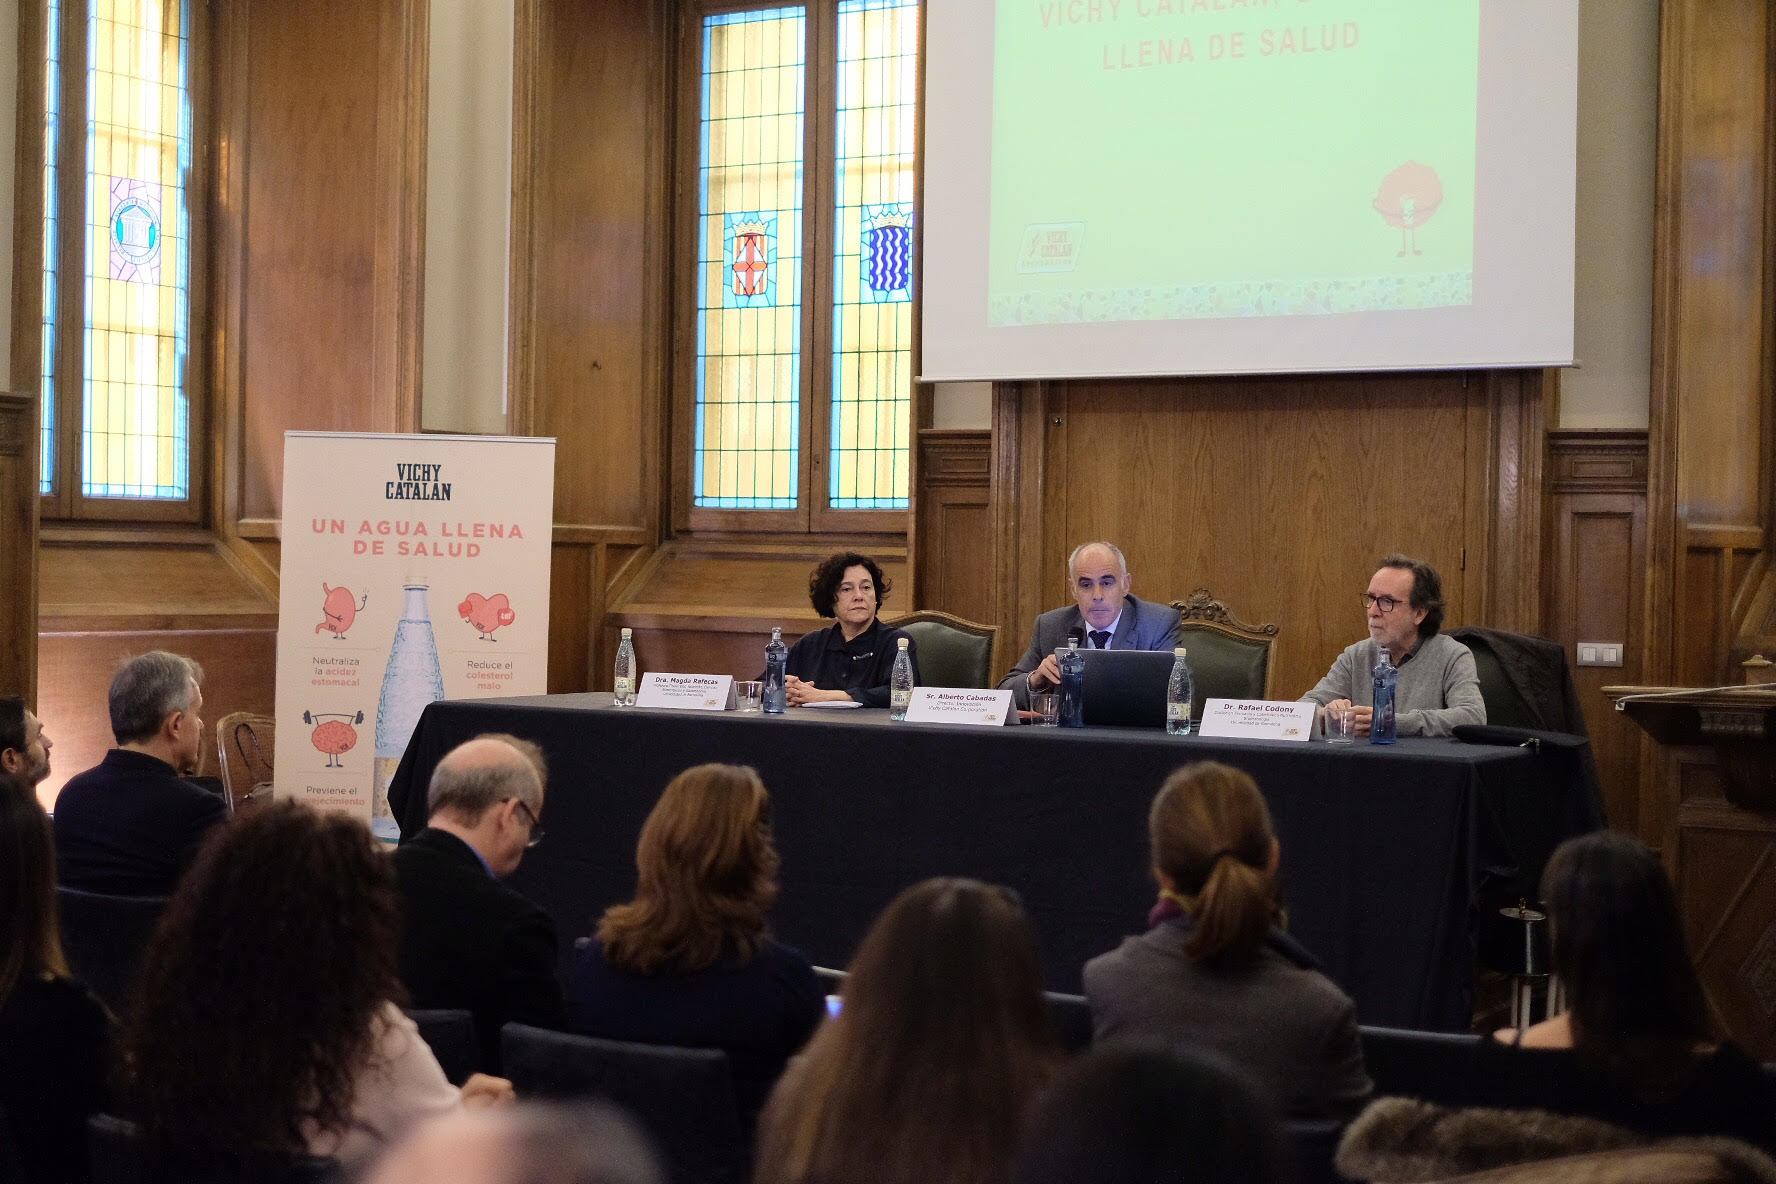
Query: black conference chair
{"x": 1431, "y": 1066}
{"x": 11, "y": 1170}
{"x": 1313, "y": 1143}
{"x": 683, "y": 1097}
{"x": 450, "y": 1033}
{"x": 119, "y": 1156}
{"x": 953, "y": 652}
{"x": 1071, "y": 1018}
{"x": 104, "y": 938}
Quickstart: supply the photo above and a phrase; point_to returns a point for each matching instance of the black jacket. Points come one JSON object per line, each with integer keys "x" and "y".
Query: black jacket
{"x": 130, "y": 826}
{"x": 468, "y": 941}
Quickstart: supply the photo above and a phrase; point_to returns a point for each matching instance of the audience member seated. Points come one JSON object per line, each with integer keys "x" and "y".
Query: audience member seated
{"x": 854, "y": 657}
{"x": 264, "y": 1019}
{"x": 24, "y": 745}
{"x": 688, "y": 961}
{"x": 131, "y": 825}
{"x": 1142, "y": 1115}
{"x": 525, "y": 1144}
{"x": 467, "y": 940}
{"x": 1214, "y": 969}
{"x": 930, "y": 1068}
{"x": 1641, "y": 1047}
{"x": 54, "y": 1036}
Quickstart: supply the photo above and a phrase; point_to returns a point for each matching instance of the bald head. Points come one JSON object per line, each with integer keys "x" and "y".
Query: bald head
{"x": 1098, "y": 577}
{"x": 484, "y": 772}
{"x": 526, "y": 1144}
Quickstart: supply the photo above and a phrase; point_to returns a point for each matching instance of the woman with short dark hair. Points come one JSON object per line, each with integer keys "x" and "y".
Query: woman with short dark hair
{"x": 852, "y": 659}
{"x": 54, "y": 1035}
{"x": 264, "y": 1021}
{"x": 690, "y": 961}
{"x": 1215, "y": 969}
{"x": 1640, "y": 1046}
{"x": 928, "y": 1071}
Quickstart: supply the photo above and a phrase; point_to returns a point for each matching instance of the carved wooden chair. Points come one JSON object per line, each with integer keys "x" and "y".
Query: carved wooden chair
{"x": 245, "y": 744}
{"x": 953, "y": 651}
{"x": 1229, "y": 659}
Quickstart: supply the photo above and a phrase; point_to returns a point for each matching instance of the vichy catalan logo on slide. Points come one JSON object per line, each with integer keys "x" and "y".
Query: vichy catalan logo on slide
{"x": 1050, "y": 247}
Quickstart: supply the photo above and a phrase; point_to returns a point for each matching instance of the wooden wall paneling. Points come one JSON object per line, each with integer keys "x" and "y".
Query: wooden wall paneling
{"x": 1594, "y": 585}
{"x": 1506, "y": 591}
{"x": 954, "y": 509}
{"x": 18, "y": 542}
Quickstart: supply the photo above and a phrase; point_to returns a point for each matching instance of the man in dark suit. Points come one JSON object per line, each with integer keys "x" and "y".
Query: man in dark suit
{"x": 130, "y": 825}
{"x": 24, "y": 745}
{"x": 1104, "y": 616}
{"x": 468, "y": 941}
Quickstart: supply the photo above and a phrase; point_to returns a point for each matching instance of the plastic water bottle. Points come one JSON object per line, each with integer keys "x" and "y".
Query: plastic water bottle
{"x": 624, "y": 682}
{"x": 1179, "y": 693}
{"x": 1387, "y": 681}
{"x": 776, "y": 674}
{"x": 900, "y": 683}
{"x": 1072, "y": 684}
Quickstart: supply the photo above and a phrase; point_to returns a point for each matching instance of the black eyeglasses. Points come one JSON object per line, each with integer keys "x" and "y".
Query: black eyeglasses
{"x": 536, "y": 828}
{"x": 1386, "y": 604}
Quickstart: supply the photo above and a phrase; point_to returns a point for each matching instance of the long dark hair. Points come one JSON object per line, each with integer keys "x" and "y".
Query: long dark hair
{"x": 258, "y": 999}
{"x": 1210, "y": 832}
{"x": 706, "y": 874}
{"x": 927, "y": 1072}
{"x": 29, "y": 943}
{"x": 1638, "y": 1011}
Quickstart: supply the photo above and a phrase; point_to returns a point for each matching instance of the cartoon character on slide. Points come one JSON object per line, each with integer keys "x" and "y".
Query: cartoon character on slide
{"x": 1408, "y": 198}
{"x": 338, "y": 612}
{"x": 333, "y": 733}
{"x": 487, "y": 613}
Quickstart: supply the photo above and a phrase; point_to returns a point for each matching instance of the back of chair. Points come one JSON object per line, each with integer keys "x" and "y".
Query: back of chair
{"x": 1071, "y": 1018}
{"x": 1432, "y": 1066}
{"x": 684, "y": 1097}
{"x": 120, "y": 1157}
{"x": 11, "y": 1170}
{"x": 104, "y": 938}
{"x": 1313, "y": 1142}
{"x": 953, "y": 652}
{"x": 1229, "y": 659}
{"x": 245, "y": 744}
{"x": 450, "y": 1033}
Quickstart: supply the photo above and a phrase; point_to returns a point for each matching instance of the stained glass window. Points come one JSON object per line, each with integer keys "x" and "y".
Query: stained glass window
{"x": 749, "y": 305}
{"x": 873, "y": 244}
{"x": 52, "y": 123}
{"x": 135, "y": 421}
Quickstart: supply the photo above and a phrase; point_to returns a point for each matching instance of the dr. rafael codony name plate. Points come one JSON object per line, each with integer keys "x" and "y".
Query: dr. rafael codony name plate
{"x": 944, "y": 705}
{"x": 1258, "y": 719}
{"x": 687, "y": 692}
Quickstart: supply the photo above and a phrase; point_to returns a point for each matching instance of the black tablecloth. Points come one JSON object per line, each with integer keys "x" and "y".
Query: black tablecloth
{"x": 1385, "y": 849}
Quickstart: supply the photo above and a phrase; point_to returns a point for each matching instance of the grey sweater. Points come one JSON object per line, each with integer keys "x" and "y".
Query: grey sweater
{"x": 1438, "y": 686}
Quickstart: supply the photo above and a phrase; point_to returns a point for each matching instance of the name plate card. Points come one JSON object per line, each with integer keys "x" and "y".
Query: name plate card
{"x": 1258, "y": 719}
{"x": 687, "y": 692}
{"x": 946, "y": 705}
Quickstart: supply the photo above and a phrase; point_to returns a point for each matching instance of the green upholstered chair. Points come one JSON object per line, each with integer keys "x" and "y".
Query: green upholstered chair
{"x": 953, "y": 652}
{"x": 1229, "y": 659}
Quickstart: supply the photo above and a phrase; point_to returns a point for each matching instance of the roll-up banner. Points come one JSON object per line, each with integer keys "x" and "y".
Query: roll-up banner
{"x": 413, "y": 568}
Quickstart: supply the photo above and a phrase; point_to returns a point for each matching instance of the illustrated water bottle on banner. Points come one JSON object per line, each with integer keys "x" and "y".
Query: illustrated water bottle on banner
{"x": 412, "y": 680}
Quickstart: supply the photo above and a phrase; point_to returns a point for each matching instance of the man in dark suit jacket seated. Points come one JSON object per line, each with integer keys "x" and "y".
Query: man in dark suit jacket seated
{"x": 130, "y": 825}
{"x": 468, "y": 941}
{"x": 24, "y": 745}
{"x": 1104, "y": 616}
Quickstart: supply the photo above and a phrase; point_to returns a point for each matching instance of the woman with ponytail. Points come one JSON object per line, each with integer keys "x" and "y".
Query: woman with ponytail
{"x": 1215, "y": 969}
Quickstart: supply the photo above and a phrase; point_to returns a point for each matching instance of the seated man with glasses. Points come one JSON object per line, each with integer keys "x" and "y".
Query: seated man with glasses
{"x": 467, "y": 940}
{"x": 1438, "y": 687}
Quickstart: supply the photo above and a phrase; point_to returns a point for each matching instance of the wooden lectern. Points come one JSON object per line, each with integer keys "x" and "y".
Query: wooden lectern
{"x": 1717, "y": 760}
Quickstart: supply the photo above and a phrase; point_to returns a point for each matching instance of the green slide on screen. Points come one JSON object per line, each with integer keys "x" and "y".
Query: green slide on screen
{"x": 1169, "y": 159}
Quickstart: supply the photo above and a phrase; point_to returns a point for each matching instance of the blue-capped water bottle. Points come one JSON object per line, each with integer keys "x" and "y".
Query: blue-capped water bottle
{"x": 776, "y": 674}
{"x": 1387, "y": 681}
{"x": 1072, "y": 684}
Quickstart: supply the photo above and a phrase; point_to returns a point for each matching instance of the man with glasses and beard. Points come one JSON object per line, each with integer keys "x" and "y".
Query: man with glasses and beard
{"x": 1438, "y": 686}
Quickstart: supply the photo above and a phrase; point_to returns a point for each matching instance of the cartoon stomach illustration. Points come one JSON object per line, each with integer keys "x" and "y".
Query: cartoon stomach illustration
{"x": 333, "y": 733}
{"x": 1408, "y": 198}
{"x": 487, "y": 613}
{"x": 338, "y": 612}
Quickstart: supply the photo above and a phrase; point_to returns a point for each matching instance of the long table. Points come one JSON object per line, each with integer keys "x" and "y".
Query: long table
{"x": 1386, "y": 850}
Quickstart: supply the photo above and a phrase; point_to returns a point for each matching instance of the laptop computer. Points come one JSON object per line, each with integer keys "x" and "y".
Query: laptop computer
{"x": 1126, "y": 688}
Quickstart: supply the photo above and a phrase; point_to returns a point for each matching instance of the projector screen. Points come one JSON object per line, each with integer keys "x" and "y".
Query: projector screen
{"x": 1176, "y": 187}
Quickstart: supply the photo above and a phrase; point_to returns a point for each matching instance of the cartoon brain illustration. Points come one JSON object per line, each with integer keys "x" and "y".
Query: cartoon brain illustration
{"x": 487, "y": 613}
{"x": 338, "y": 612}
{"x": 1408, "y": 198}
{"x": 333, "y": 733}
